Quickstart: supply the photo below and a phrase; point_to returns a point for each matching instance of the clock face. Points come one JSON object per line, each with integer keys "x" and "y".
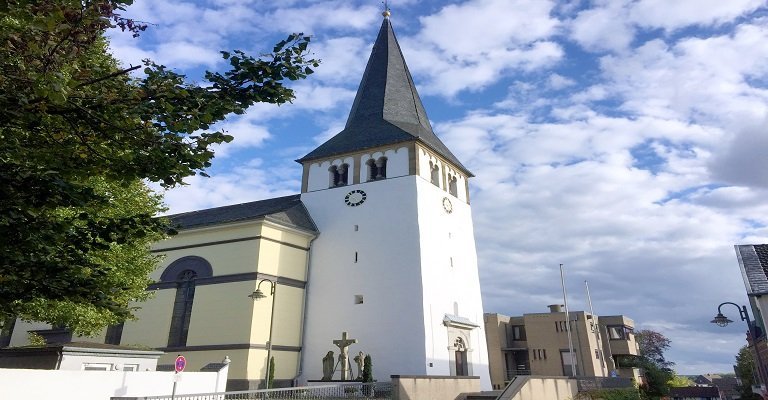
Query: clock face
{"x": 355, "y": 198}
{"x": 447, "y": 205}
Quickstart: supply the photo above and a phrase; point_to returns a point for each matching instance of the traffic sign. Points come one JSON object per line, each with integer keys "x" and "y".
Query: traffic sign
{"x": 181, "y": 362}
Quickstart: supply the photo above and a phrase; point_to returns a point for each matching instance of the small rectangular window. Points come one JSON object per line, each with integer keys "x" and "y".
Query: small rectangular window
{"x": 545, "y": 353}
{"x": 97, "y": 367}
{"x": 597, "y": 354}
{"x": 358, "y": 299}
{"x": 355, "y": 256}
{"x": 131, "y": 367}
{"x": 534, "y": 354}
{"x": 451, "y": 259}
{"x": 356, "y": 228}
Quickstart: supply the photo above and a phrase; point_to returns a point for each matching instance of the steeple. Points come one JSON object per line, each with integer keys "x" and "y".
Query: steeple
{"x": 387, "y": 109}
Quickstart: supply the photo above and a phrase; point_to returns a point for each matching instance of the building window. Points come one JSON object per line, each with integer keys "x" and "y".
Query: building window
{"x": 434, "y": 173}
{"x": 618, "y": 332}
{"x": 338, "y": 175}
{"x": 97, "y": 367}
{"x": 517, "y": 332}
{"x": 358, "y": 299}
{"x": 452, "y": 185}
{"x": 377, "y": 169}
{"x": 114, "y": 334}
{"x": 182, "y": 309}
{"x": 569, "y": 362}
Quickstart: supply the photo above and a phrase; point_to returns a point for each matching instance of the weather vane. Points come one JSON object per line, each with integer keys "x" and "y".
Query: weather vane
{"x": 386, "y": 12}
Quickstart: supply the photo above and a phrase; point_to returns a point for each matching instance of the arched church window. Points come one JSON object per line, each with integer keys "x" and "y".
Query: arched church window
{"x": 452, "y": 185}
{"x": 338, "y": 175}
{"x": 182, "y": 308}
{"x": 377, "y": 169}
{"x": 435, "y": 173}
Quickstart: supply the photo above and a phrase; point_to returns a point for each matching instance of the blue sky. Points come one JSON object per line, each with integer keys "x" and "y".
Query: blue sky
{"x": 623, "y": 138}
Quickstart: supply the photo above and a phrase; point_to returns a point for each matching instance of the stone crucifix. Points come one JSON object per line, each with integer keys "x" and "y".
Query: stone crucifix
{"x": 344, "y": 355}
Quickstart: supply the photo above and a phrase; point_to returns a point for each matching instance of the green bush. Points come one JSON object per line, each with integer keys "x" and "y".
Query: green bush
{"x": 609, "y": 394}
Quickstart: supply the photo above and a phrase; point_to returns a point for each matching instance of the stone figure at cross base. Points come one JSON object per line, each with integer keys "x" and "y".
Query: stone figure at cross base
{"x": 328, "y": 366}
{"x": 359, "y": 359}
{"x": 343, "y": 344}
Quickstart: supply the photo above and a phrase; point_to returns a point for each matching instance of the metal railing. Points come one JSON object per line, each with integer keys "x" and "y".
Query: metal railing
{"x": 511, "y": 373}
{"x": 376, "y": 390}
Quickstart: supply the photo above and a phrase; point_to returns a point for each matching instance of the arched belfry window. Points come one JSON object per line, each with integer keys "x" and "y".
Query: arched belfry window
{"x": 452, "y": 185}
{"x": 435, "y": 173}
{"x": 377, "y": 169}
{"x": 184, "y": 272}
{"x": 338, "y": 175}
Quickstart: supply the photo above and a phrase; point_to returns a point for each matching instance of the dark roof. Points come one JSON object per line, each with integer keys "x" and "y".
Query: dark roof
{"x": 288, "y": 210}
{"x": 387, "y": 108}
{"x": 753, "y": 261}
{"x": 701, "y": 392}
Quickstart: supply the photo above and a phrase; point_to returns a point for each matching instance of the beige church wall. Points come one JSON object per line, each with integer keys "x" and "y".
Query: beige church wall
{"x": 225, "y": 259}
{"x": 154, "y": 321}
{"x": 287, "y": 321}
{"x": 221, "y": 313}
{"x": 20, "y": 335}
{"x": 286, "y": 364}
{"x": 211, "y": 234}
{"x": 286, "y": 235}
{"x": 282, "y": 260}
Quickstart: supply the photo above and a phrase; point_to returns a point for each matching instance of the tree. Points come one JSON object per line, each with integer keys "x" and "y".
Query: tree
{"x": 652, "y": 346}
{"x": 367, "y": 369}
{"x": 271, "y": 379}
{"x": 745, "y": 372}
{"x": 69, "y": 113}
{"x": 657, "y": 370}
{"x": 679, "y": 381}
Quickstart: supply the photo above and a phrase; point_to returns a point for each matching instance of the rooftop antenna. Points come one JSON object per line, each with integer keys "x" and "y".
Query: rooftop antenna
{"x": 386, "y": 12}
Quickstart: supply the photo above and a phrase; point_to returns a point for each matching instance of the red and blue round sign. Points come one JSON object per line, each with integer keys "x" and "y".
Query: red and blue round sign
{"x": 181, "y": 362}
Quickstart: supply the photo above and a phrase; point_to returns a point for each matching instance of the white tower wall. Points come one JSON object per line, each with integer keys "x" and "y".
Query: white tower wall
{"x": 389, "y": 324}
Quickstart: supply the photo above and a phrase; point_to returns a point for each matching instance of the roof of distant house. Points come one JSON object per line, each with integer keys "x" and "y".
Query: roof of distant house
{"x": 702, "y": 392}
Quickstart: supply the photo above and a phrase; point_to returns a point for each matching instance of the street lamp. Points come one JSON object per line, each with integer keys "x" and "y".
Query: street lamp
{"x": 722, "y": 320}
{"x": 258, "y": 295}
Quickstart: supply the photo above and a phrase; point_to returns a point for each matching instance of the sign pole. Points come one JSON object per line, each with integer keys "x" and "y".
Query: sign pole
{"x": 179, "y": 365}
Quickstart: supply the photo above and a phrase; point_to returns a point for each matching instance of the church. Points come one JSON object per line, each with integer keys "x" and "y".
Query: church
{"x": 377, "y": 251}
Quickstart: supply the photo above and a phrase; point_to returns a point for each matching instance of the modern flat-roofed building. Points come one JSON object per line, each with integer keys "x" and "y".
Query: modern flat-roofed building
{"x": 537, "y": 344}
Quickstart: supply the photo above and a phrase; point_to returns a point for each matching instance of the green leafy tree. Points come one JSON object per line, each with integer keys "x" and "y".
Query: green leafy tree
{"x": 68, "y": 114}
{"x": 679, "y": 381}
{"x": 271, "y": 379}
{"x": 745, "y": 372}
{"x": 367, "y": 369}
{"x": 657, "y": 371}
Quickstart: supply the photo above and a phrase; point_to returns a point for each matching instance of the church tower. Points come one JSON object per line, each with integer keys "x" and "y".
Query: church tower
{"x": 395, "y": 264}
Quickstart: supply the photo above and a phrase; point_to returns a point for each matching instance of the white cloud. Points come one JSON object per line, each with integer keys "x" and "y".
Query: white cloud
{"x": 472, "y": 45}
{"x": 602, "y": 29}
{"x": 671, "y": 15}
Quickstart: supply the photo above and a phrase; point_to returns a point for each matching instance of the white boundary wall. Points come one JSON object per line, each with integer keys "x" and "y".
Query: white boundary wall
{"x": 101, "y": 385}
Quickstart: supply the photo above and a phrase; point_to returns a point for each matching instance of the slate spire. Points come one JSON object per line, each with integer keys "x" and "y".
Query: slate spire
{"x": 387, "y": 108}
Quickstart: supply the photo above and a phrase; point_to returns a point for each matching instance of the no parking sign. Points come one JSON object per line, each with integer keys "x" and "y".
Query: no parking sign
{"x": 180, "y": 363}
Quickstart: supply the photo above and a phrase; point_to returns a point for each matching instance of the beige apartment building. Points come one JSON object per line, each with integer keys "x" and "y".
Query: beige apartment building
{"x": 537, "y": 344}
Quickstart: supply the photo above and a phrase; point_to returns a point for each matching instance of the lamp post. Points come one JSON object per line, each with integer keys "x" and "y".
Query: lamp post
{"x": 258, "y": 295}
{"x": 722, "y": 320}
